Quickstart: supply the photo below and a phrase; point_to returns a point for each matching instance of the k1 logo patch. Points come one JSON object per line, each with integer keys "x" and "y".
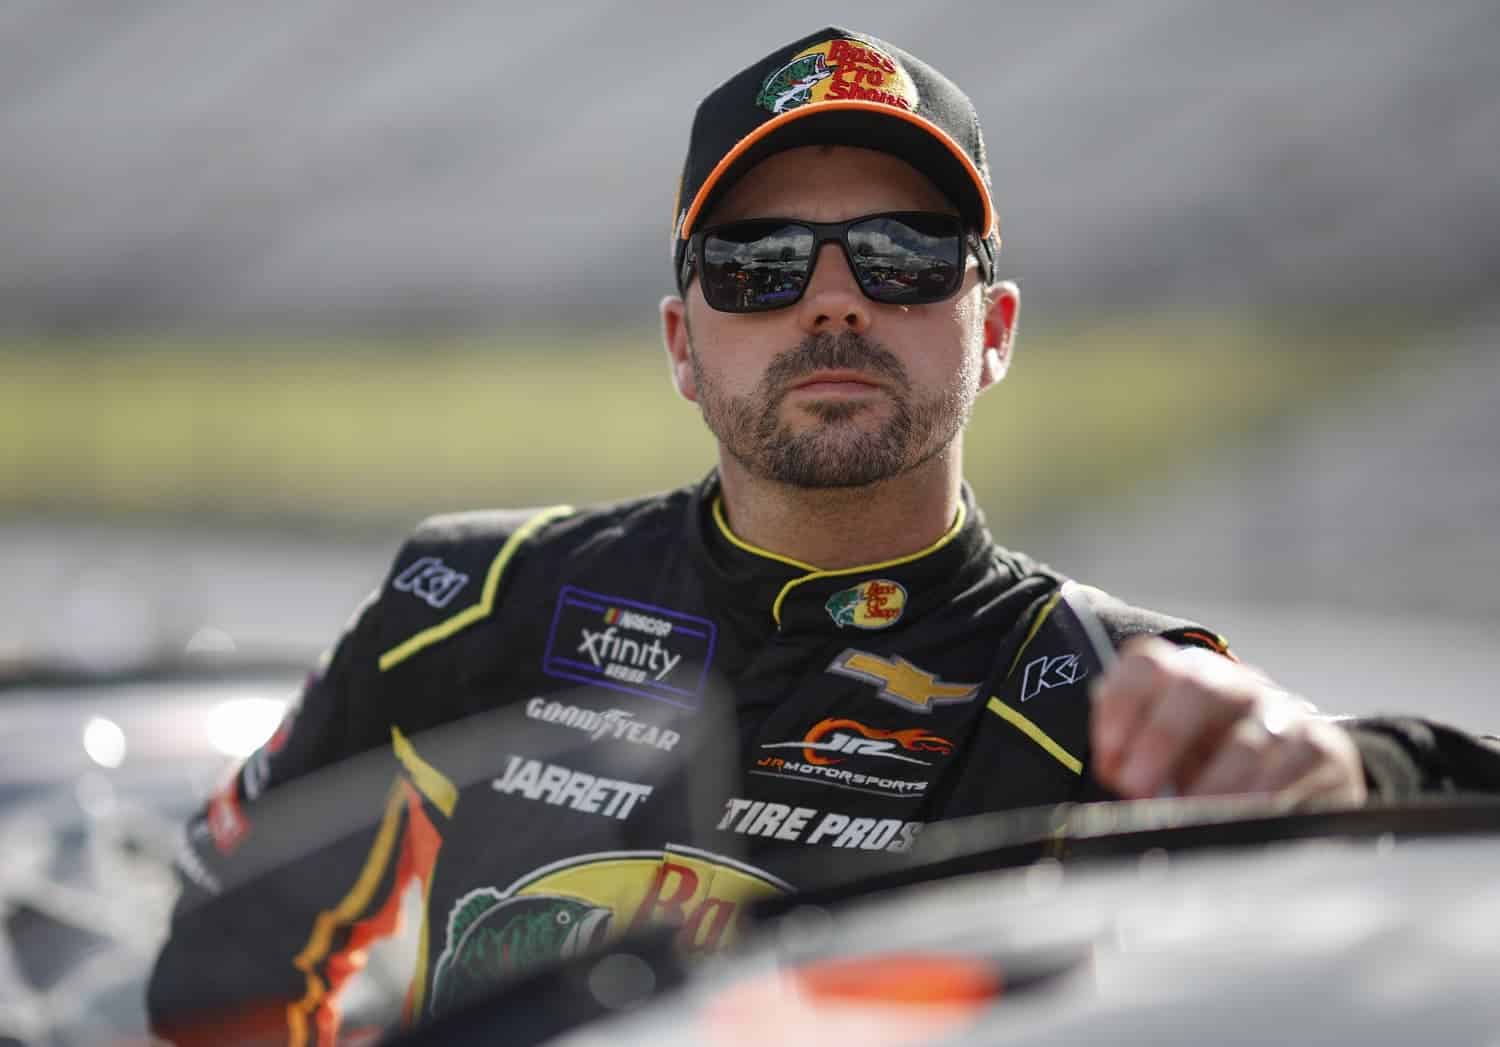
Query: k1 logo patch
{"x": 431, "y": 581}
{"x": 626, "y": 645}
{"x": 1043, "y": 674}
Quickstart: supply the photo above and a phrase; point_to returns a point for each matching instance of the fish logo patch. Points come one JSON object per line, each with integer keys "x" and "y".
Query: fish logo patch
{"x": 835, "y": 70}
{"x": 576, "y": 905}
{"x": 876, "y": 604}
{"x": 491, "y": 936}
{"x": 791, "y": 85}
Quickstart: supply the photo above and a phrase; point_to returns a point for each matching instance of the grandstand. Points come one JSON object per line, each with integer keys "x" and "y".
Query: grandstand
{"x": 470, "y": 163}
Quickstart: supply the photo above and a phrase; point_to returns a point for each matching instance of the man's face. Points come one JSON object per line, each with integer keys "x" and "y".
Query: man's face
{"x": 836, "y": 390}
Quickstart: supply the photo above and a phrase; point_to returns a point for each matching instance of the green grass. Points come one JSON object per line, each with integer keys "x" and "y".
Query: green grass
{"x": 351, "y": 431}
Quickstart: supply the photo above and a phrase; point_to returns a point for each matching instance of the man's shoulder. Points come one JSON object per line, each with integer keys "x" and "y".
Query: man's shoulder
{"x": 1124, "y": 620}
{"x": 472, "y": 541}
{"x": 1121, "y": 619}
{"x": 454, "y": 568}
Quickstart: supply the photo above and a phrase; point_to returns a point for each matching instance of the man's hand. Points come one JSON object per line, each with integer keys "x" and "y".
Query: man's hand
{"x": 1170, "y": 721}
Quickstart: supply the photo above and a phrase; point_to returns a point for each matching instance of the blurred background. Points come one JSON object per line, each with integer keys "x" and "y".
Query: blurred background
{"x": 277, "y": 280}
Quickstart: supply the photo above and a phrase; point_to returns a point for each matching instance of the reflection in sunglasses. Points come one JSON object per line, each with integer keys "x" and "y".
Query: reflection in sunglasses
{"x": 904, "y": 258}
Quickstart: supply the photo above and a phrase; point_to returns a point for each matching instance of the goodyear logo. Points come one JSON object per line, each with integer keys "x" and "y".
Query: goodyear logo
{"x": 875, "y": 604}
{"x": 834, "y": 70}
{"x": 579, "y": 903}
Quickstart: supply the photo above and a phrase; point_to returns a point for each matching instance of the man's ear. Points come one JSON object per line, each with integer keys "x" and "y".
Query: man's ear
{"x": 1000, "y": 316}
{"x": 674, "y": 333}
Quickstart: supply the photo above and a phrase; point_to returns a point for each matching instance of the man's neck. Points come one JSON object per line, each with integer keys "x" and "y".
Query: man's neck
{"x": 832, "y": 528}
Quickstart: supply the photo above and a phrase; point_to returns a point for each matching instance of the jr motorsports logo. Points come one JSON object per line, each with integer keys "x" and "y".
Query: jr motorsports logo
{"x": 625, "y": 645}
{"x": 830, "y": 744}
{"x": 834, "y": 70}
{"x": 832, "y": 739}
{"x": 576, "y": 904}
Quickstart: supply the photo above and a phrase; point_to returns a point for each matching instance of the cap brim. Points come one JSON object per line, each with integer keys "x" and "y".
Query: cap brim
{"x": 869, "y": 125}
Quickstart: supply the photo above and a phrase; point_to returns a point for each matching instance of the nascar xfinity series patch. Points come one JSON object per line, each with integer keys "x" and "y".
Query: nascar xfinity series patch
{"x": 630, "y": 646}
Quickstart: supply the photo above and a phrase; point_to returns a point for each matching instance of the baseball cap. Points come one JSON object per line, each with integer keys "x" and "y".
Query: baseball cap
{"x": 837, "y": 87}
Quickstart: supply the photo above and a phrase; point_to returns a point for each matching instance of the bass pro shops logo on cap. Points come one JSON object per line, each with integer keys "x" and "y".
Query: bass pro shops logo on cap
{"x": 875, "y": 604}
{"x": 834, "y": 70}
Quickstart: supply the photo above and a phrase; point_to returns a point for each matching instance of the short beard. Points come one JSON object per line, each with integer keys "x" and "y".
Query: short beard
{"x": 837, "y": 454}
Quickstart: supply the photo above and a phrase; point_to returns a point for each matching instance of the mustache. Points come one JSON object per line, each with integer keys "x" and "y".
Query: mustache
{"x": 847, "y": 350}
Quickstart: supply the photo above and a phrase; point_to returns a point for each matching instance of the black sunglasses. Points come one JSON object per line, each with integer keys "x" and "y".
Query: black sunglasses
{"x": 899, "y": 258}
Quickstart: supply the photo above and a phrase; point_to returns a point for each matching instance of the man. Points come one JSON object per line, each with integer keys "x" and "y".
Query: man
{"x": 564, "y": 724}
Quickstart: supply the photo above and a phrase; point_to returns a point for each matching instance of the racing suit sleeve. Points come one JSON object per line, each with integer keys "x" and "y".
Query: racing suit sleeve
{"x": 1403, "y": 757}
{"x": 290, "y": 868}
{"x": 1406, "y": 756}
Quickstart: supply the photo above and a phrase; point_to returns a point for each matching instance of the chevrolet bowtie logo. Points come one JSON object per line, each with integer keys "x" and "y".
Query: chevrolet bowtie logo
{"x": 901, "y": 682}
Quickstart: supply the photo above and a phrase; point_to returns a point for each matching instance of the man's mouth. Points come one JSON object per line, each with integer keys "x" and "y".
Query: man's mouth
{"x": 837, "y": 383}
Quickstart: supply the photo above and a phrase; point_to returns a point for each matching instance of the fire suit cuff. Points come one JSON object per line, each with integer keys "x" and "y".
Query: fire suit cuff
{"x": 1393, "y": 770}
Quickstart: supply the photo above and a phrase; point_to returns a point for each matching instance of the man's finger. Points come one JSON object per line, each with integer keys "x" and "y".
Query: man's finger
{"x": 1121, "y": 699}
{"x": 1286, "y": 760}
{"x": 1184, "y": 727}
{"x": 1235, "y": 764}
{"x": 1316, "y": 757}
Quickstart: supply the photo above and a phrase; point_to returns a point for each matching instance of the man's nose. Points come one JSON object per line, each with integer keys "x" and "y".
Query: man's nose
{"x": 833, "y": 301}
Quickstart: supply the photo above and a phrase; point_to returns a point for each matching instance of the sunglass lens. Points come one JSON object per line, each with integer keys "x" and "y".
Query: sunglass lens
{"x": 749, "y": 266}
{"x": 908, "y": 259}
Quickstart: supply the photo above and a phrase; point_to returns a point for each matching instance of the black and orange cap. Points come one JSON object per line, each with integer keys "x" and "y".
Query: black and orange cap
{"x": 837, "y": 87}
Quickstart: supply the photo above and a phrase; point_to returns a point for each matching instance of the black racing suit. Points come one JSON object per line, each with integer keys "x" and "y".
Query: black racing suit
{"x": 561, "y": 725}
